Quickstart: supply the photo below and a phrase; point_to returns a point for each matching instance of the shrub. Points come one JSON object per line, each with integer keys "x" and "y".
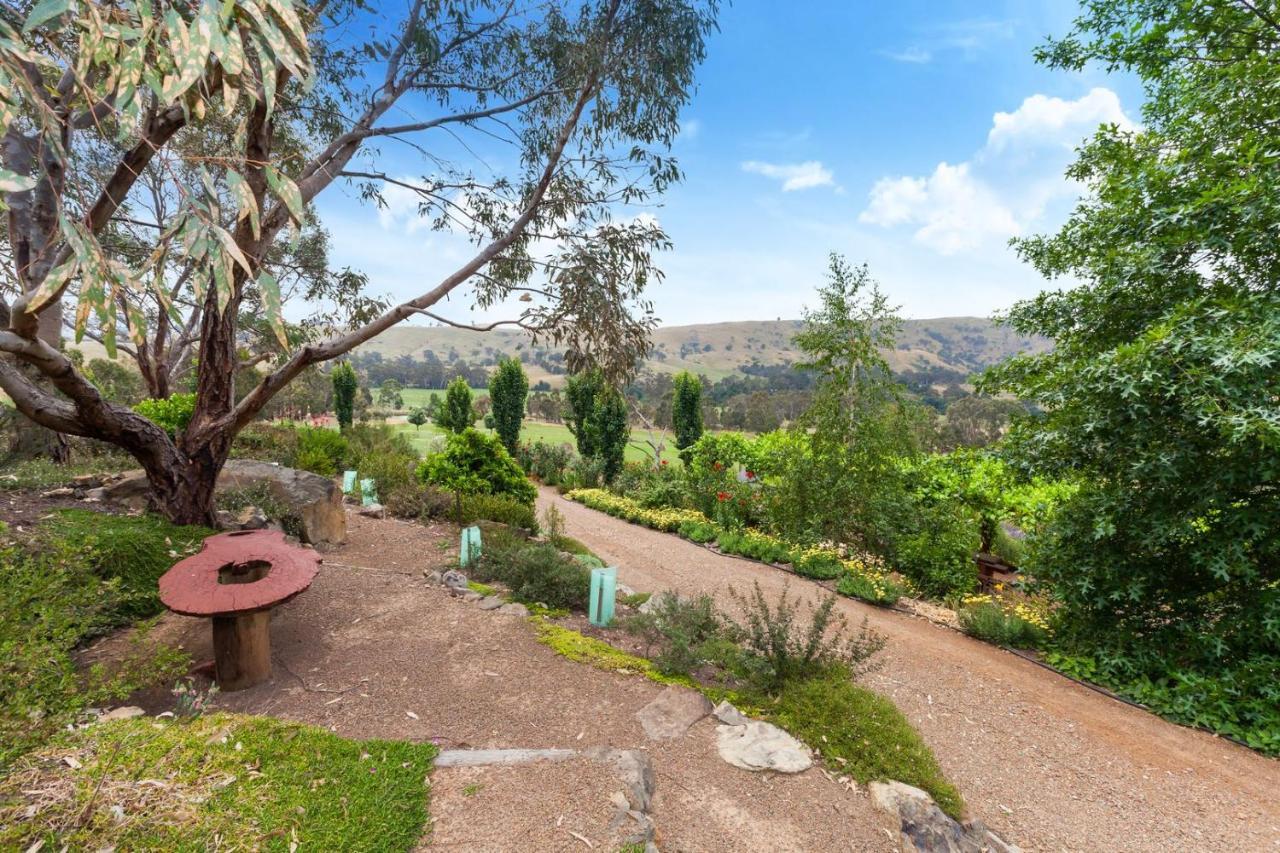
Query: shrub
{"x": 546, "y": 462}
{"x": 457, "y": 413}
{"x": 784, "y": 649}
{"x": 172, "y": 413}
{"x": 989, "y": 621}
{"x": 868, "y": 587}
{"x": 268, "y": 443}
{"x": 475, "y": 463}
{"x": 698, "y": 531}
{"x": 536, "y": 573}
{"x": 508, "y": 388}
{"x": 818, "y": 563}
{"x": 937, "y": 551}
{"x": 345, "y": 383}
{"x": 499, "y": 508}
{"x": 380, "y": 453}
{"x": 418, "y": 501}
{"x": 260, "y": 496}
{"x": 680, "y": 629}
{"x": 321, "y": 451}
{"x": 755, "y": 545}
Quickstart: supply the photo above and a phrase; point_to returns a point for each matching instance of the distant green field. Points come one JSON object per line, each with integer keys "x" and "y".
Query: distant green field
{"x": 415, "y": 397}
{"x": 637, "y": 451}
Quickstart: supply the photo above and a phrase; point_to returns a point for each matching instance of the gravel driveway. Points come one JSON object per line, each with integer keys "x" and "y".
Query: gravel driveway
{"x": 1047, "y": 763}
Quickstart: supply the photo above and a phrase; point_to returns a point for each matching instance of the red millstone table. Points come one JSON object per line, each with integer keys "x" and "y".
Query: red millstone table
{"x": 236, "y": 579}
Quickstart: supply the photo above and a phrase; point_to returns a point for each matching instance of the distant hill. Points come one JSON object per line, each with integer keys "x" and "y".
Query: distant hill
{"x": 963, "y": 344}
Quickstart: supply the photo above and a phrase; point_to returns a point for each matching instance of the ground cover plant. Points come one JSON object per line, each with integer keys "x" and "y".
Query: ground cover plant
{"x": 536, "y": 573}
{"x": 76, "y": 576}
{"x": 226, "y": 781}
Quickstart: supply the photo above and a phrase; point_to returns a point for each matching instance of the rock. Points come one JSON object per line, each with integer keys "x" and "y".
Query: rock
{"x": 491, "y": 602}
{"x": 127, "y": 712}
{"x": 624, "y": 590}
{"x": 455, "y": 580}
{"x": 470, "y": 595}
{"x": 513, "y": 608}
{"x": 672, "y": 712}
{"x": 373, "y": 511}
{"x": 762, "y": 746}
{"x": 87, "y": 481}
{"x": 730, "y": 715}
{"x": 316, "y": 501}
{"x": 925, "y": 828}
{"x": 95, "y": 494}
{"x": 654, "y": 600}
{"x": 63, "y": 492}
{"x": 433, "y": 575}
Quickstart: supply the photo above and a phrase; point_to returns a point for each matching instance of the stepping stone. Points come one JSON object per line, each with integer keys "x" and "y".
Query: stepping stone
{"x": 762, "y": 746}
{"x": 513, "y": 609}
{"x": 492, "y": 602}
{"x": 671, "y": 714}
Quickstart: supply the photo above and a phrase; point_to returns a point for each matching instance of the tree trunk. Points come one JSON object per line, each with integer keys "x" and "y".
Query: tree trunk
{"x": 182, "y": 488}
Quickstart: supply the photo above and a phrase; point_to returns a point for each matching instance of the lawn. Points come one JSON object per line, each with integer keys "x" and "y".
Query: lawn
{"x": 415, "y": 397}
{"x": 534, "y": 431}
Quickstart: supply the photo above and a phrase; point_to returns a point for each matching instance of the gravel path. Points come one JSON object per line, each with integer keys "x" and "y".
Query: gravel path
{"x": 1047, "y": 763}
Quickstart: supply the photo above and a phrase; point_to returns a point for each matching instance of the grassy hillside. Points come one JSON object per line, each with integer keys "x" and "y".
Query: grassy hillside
{"x": 718, "y": 349}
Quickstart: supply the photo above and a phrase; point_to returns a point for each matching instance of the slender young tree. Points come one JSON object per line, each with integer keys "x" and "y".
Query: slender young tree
{"x": 580, "y": 395}
{"x": 686, "y": 411}
{"x": 508, "y": 389}
{"x": 345, "y": 384}
{"x": 248, "y": 110}
{"x": 457, "y": 413}
{"x": 608, "y": 423}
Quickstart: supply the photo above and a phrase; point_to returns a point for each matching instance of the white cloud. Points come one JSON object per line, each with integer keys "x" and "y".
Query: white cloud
{"x": 968, "y": 38}
{"x": 1042, "y": 118}
{"x": 1007, "y": 188}
{"x": 954, "y": 211}
{"x": 689, "y": 129}
{"x": 794, "y": 176}
{"x": 914, "y": 54}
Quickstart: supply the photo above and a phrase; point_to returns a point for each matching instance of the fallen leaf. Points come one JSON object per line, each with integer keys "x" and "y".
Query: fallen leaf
{"x": 411, "y": 715}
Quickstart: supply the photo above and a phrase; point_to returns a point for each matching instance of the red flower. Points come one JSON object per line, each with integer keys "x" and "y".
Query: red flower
{"x": 722, "y": 496}
{"x": 664, "y": 462}
{"x": 717, "y": 466}
{"x": 751, "y": 475}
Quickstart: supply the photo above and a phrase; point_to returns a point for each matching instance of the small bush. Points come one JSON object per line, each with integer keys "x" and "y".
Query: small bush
{"x": 698, "y": 531}
{"x": 876, "y": 590}
{"x": 546, "y": 462}
{"x": 499, "y": 508}
{"x": 753, "y": 544}
{"x": 988, "y": 621}
{"x": 818, "y": 563}
{"x": 938, "y": 554}
{"x": 268, "y": 443}
{"x": 416, "y": 501}
{"x": 171, "y": 413}
{"x": 680, "y": 629}
{"x": 321, "y": 451}
{"x": 536, "y": 573}
{"x": 475, "y": 463}
{"x": 260, "y": 496}
{"x": 786, "y": 649}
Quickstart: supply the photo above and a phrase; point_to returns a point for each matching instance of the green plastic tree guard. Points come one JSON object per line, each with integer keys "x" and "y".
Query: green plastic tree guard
{"x": 368, "y": 493}
{"x": 604, "y": 588}
{"x": 348, "y": 482}
{"x": 469, "y": 551}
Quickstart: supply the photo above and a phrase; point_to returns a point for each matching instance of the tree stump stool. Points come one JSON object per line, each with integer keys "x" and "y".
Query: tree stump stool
{"x": 236, "y": 579}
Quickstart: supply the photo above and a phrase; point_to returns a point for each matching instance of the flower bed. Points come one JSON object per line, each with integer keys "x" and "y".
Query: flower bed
{"x": 863, "y": 577}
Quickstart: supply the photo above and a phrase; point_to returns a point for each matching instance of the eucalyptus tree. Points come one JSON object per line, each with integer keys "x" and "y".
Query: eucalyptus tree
{"x": 94, "y": 96}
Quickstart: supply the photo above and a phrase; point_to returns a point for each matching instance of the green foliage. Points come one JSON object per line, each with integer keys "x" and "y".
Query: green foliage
{"x": 681, "y": 630}
{"x": 547, "y": 462}
{"x": 390, "y": 394}
{"x": 171, "y": 413}
{"x": 508, "y": 388}
{"x": 1160, "y": 392}
{"x": 609, "y": 422}
{"x": 535, "y": 572}
{"x": 44, "y": 473}
{"x": 990, "y": 622}
{"x": 861, "y": 733}
{"x": 686, "y": 412}
{"x": 118, "y": 383}
{"x": 380, "y": 453}
{"x": 475, "y": 463}
{"x": 818, "y": 563}
{"x": 418, "y": 416}
{"x": 80, "y": 574}
{"x": 698, "y": 531}
{"x": 420, "y": 502}
{"x": 328, "y": 792}
{"x": 261, "y": 496}
{"x": 787, "y": 649}
{"x": 580, "y": 394}
{"x": 321, "y": 451}
{"x": 135, "y": 550}
{"x": 500, "y": 508}
{"x": 457, "y": 412}
{"x": 935, "y": 546}
{"x": 875, "y": 590}
{"x": 754, "y": 545}
{"x": 345, "y": 383}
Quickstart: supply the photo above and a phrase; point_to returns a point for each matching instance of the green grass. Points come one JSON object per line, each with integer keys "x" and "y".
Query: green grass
{"x": 533, "y": 431}
{"x": 43, "y": 474}
{"x": 224, "y": 782}
{"x": 415, "y": 397}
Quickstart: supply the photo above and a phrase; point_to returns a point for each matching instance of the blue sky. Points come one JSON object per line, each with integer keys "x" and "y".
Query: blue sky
{"x": 915, "y": 136}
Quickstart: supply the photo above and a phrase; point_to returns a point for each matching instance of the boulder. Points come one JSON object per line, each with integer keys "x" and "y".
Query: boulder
{"x": 247, "y": 518}
{"x": 671, "y": 714}
{"x": 762, "y": 746}
{"x": 729, "y": 715}
{"x": 316, "y": 501}
{"x": 513, "y": 608}
{"x": 456, "y": 581}
{"x": 491, "y": 602}
{"x": 925, "y": 828}
{"x": 127, "y": 712}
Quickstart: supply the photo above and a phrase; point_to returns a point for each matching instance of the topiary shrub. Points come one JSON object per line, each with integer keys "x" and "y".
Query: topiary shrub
{"x": 475, "y": 463}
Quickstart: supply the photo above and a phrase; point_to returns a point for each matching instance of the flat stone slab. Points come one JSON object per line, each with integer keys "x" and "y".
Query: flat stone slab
{"x": 193, "y": 588}
{"x": 671, "y": 714}
{"x": 762, "y": 746}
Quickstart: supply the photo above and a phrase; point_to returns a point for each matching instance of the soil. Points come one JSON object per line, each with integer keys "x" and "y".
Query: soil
{"x": 372, "y": 650}
{"x": 1047, "y": 763}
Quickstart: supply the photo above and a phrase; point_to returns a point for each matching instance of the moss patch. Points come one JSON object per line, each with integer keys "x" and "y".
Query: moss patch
{"x": 599, "y": 654}
{"x": 224, "y": 781}
{"x": 482, "y": 588}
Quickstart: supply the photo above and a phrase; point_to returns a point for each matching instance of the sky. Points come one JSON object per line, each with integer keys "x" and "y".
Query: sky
{"x": 916, "y": 136}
